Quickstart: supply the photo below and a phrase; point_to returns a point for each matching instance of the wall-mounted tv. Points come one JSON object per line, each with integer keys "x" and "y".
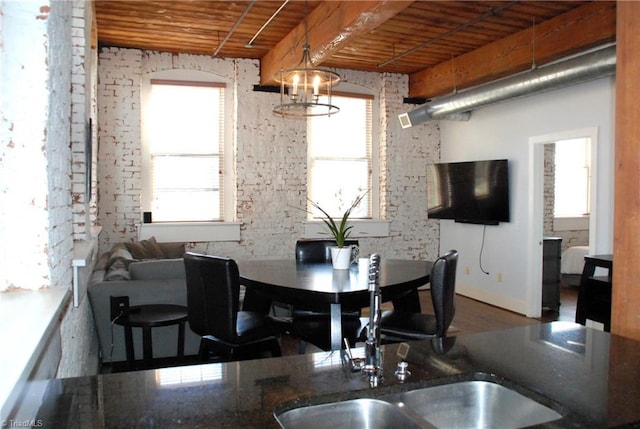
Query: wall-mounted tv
{"x": 472, "y": 192}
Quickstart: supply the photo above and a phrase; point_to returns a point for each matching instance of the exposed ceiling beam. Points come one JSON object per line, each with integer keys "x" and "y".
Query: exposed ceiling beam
{"x": 331, "y": 25}
{"x": 577, "y": 30}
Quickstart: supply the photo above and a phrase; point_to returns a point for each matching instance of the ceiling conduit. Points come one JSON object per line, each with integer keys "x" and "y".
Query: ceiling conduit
{"x": 580, "y": 69}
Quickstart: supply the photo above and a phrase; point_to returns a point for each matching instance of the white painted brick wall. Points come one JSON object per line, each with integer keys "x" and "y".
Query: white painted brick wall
{"x": 270, "y": 160}
{"x": 119, "y": 144}
{"x": 77, "y": 331}
{"x": 80, "y": 89}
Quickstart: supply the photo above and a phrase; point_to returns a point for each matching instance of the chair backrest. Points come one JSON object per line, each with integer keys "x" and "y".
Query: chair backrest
{"x": 313, "y": 250}
{"x": 213, "y": 294}
{"x": 443, "y": 285}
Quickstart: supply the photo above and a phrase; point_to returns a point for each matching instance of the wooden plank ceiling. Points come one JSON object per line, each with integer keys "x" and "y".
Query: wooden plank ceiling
{"x": 442, "y": 45}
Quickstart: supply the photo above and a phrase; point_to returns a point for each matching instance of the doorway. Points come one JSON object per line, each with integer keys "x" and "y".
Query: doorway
{"x": 537, "y": 207}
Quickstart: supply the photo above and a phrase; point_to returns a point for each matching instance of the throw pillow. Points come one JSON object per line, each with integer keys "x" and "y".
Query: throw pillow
{"x": 137, "y": 250}
{"x": 152, "y": 248}
{"x": 172, "y": 250}
{"x": 145, "y": 249}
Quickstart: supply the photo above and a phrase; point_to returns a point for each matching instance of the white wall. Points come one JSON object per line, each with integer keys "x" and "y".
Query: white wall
{"x": 503, "y": 131}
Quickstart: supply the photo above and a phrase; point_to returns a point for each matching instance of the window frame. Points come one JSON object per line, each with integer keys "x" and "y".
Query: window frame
{"x": 374, "y": 226}
{"x": 191, "y": 77}
{"x": 229, "y": 228}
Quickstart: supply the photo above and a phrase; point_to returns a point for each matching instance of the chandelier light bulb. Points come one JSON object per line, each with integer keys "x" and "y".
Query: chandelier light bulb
{"x": 296, "y": 81}
{"x": 316, "y": 85}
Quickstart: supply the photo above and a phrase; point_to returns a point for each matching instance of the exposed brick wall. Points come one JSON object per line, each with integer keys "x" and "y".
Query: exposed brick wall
{"x": 83, "y": 99}
{"x": 60, "y": 223}
{"x": 119, "y": 144}
{"x": 270, "y": 155}
{"x": 404, "y": 157}
{"x": 549, "y": 187}
{"x": 77, "y": 330}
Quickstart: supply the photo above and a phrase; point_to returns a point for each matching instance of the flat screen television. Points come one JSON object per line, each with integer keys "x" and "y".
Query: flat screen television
{"x": 471, "y": 192}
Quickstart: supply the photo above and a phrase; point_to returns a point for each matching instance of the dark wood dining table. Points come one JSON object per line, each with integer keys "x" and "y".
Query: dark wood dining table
{"x": 319, "y": 287}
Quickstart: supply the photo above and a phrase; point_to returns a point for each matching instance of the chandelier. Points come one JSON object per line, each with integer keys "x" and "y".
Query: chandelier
{"x": 301, "y": 88}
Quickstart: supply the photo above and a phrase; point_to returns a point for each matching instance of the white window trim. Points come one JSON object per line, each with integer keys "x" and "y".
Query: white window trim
{"x": 228, "y": 230}
{"x": 362, "y": 228}
{"x": 350, "y": 88}
{"x": 192, "y": 232}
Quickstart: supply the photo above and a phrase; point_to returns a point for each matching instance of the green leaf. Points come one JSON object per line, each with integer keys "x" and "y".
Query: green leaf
{"x": 343, "y": 231}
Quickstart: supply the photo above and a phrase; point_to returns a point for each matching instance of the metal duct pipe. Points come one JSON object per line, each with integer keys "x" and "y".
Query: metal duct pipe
{"x": 581, "y": 69}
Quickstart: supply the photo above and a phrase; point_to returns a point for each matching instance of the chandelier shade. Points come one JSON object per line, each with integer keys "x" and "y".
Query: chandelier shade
{"x": 301, "y": 89}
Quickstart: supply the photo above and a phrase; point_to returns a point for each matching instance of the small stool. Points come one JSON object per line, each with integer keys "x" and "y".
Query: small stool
{"x": 147, "y": 317}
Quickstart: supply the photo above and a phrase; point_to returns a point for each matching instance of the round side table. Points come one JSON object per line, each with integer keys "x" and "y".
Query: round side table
{"x": 148, "y": 317}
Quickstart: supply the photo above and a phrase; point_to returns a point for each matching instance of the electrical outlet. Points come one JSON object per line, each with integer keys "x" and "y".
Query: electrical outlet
{"x": 499, "y": 277}
{"x": 119, "y": 306}
{"x": 467, "y": 271}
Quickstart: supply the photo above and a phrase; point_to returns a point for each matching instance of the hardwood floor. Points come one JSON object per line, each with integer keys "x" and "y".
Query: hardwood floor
{"x": 475, "y": 316}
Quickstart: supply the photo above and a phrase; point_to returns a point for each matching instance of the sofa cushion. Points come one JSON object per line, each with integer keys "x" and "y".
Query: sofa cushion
{"x": 157, "y": 269}
{"x": 145, "y": 249}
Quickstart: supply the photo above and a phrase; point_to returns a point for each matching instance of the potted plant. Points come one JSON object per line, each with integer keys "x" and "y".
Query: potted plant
{"x": 341, "y": 256}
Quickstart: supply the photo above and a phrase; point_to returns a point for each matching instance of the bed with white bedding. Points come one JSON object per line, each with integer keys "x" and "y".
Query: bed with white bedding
{"x": 572, "y": 263}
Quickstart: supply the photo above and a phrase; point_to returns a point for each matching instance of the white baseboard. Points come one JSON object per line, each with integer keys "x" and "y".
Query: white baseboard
{"x": 498, "y": 300}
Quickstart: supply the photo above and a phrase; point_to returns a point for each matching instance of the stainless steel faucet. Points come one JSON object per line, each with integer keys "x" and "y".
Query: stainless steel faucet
{"x": 373, "y": 354}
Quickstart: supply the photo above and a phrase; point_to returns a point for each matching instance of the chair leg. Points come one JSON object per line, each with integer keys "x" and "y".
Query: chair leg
{"x": 203, "y": 351}
{"x": 276, "y": 351}
{"x": 211, "y": 351}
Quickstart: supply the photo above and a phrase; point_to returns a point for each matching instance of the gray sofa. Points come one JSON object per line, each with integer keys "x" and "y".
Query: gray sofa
{"x": 155, "y": 277}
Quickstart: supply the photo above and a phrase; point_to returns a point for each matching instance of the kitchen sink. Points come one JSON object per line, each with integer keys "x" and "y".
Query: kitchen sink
{"x": 355, "y": 413}
{"x": 461, "y": 404}
{"x": 476, "y": 404}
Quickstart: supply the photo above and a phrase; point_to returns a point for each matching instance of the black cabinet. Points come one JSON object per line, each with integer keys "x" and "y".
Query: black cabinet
{"x": 551, "y": 254}
{"x": 594, "y": 296}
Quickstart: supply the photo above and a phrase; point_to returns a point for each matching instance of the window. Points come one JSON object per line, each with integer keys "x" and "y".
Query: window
{"x": 340, "y": 158}
{"x": 572, "y": 176}
{"x": 184, "y": 144}
{"x": 190, "y": 375}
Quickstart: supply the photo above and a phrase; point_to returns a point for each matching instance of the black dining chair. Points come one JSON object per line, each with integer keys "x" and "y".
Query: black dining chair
{"x": 403, "y": 324}
{"x": 313, "y": 326}
{"x": 213, "y": 300}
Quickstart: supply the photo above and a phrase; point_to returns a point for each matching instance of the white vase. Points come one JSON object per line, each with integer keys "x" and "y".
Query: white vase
{"x": 341, "y": 257}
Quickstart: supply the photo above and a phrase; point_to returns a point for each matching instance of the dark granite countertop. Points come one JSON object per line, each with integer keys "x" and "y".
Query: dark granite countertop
{"x": 590, "y": 377}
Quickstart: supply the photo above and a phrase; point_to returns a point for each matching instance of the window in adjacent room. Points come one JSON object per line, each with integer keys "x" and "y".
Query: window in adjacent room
{"x": 340, "y": 162}
{"x": 572, "y": 177}
{"x": 183, "y": 151}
